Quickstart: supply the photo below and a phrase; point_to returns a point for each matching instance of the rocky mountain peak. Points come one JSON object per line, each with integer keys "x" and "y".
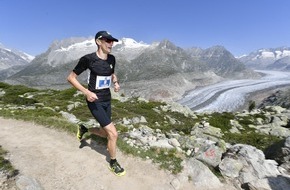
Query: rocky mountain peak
{"x": 9, "y": 58}
{"x": 66, "y": 43}
{"x": 166, "y": 44}
{"x": 12, "y": 61}
{"x": 216, "y": 51}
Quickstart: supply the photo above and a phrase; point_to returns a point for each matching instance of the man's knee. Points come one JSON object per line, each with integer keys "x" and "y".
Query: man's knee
{"x": 111, "y": 131}
{"x": 114, "y": 136}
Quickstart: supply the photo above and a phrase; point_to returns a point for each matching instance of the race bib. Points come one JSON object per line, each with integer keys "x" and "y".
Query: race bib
{"x": 103, "y": 82}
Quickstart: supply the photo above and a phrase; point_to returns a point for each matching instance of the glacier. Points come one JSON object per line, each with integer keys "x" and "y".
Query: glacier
{"x": 228, "y": 96}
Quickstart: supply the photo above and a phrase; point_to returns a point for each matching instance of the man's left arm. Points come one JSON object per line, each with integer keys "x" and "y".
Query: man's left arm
{"x": 115, "y": 82}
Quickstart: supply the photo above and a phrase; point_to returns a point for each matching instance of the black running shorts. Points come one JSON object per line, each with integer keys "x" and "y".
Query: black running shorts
{"x": 101, "y": 111}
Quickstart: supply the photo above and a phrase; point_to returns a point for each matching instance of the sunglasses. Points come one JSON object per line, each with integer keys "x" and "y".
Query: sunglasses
{"x": 107, "y": 40}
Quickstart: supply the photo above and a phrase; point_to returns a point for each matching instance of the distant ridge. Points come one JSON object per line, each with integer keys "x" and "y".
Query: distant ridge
{"x": 160, "y": 70}
{"x": 268, "y": 58}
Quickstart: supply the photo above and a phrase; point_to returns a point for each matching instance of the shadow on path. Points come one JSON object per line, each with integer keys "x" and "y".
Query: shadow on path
{"x": 97, "y": 144}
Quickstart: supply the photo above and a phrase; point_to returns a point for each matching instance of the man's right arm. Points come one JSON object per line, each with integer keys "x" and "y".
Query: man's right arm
{"x": 72, "y": 78}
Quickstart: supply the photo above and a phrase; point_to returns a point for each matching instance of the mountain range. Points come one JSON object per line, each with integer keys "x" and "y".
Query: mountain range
{"x": 270, "y": 59}
{"x": 158, "y": 71}
{"x": 12, "y": 61}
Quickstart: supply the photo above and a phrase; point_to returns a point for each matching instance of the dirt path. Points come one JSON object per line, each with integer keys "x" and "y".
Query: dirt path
{"x": 56, "y": 160}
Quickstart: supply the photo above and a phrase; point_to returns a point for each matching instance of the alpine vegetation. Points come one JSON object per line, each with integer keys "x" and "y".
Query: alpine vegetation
{"x": 240, "y": 150}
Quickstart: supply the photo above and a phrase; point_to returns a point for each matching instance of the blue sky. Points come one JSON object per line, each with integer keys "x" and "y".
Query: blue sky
{"x": 241, "y": 26}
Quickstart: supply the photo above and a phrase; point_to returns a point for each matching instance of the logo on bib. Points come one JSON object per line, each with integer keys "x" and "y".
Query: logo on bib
{"x": 103, "y": 82}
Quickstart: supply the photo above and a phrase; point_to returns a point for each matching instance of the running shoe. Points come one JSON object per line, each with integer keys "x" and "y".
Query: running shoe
{"x": 117, "y": 169}
{"x": 81, "y": 131}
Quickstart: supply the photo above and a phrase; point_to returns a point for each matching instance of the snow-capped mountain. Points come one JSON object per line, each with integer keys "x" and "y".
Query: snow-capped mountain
{"x": 270, "y": 58}
{"x": 167, "y": 70}
{"x": 64, "y": 51}
{"x": 129, "y": 48}
{"x": 24, "y": 55}
{"x": 61, "y": 52}
{"x": 129, "y": 43}
{"x": 10, "y": 57}
{"x": 51, "y": 67}
{"x": 12, "y": 61}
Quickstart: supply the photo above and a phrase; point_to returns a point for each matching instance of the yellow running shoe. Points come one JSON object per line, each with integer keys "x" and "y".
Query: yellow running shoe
{"x": 117, "y": 169}
{"x": 81, "y": 131}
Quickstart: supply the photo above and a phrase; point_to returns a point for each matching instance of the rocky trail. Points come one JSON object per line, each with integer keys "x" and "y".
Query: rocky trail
{"x": 57, "y": 160}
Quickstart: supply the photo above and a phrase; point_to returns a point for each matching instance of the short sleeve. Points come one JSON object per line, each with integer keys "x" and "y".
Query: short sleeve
{"x": 112, "y": 61}
{"x": 82, "y": 65}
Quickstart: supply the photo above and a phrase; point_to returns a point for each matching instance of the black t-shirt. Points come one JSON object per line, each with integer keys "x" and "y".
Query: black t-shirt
{"x": 99, "y": 78}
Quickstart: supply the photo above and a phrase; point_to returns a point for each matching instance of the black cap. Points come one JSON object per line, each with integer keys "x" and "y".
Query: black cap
{"x": 106, "y": 35}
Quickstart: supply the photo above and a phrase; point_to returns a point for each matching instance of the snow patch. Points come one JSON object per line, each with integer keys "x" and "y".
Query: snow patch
{"x": 267, "y": 54}
{"x": 131, "y": 43}
{"x": 80, "y": 45}
{"x": 286, "y": 53}
{"x": 27, "y": 57}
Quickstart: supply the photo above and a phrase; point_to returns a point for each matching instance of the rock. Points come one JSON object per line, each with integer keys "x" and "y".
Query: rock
{"x": 27, "y": 183}
{"x": 70, "y": 117}
{"x": 212, "y": 156}
{"x": 230, "y": 167}
{"x": 275, "y": 109}
{"x": 202, "y": 130}
{"x": 200, "y": 175}
{"x": 236, "y": 124}
{"x": 270, "y": 183}
{"x": 234, "y": 130}
{"x": 174, "y": 142}
{"x": 162, "y": 143}
{"x": 280, "y": 152}
{"x": 248, "y": 163}
{"x": 74, "y": 105}
{"x": 175, "y": 183}
{"x": 175, "y": 107}
{"x": 126, "y": 121}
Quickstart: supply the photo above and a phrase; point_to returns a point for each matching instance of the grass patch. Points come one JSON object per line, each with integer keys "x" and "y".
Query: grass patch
{"x": 5, "y": 165}
{"x": 135, "y": 108}
{"x": 221, "y": 120}
{"x": 43, "y": 117}
{"x": 166, "y": 159}
{"x": 259, "y": 141}
{"x": 13, "y": 94}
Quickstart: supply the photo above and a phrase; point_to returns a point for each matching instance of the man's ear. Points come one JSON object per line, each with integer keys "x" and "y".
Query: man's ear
{"x": 98, "y": 42}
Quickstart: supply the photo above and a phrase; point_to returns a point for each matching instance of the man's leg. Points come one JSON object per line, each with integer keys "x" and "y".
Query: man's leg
{"x": 112, "y": 136}
{"x": 98, "y": 131}
{"x": 112, "y": 148}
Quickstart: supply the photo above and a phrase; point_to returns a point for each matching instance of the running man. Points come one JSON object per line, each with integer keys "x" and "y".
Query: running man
{"x": 101, "y": 65}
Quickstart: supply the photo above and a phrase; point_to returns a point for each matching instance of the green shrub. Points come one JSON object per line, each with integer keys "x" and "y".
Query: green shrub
{"x": 5, "y": 165}
{"x": 221, "y": 120}
{"x": 4, "y": 85}
{"x": 252, "y": 105}
{"x": 13, "y": 95}
{"x": 259, "y": 141}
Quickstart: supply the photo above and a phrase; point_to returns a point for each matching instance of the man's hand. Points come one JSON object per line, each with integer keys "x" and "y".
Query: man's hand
{"x": 91, "y": 97}
{"x": 116, "y": 87}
